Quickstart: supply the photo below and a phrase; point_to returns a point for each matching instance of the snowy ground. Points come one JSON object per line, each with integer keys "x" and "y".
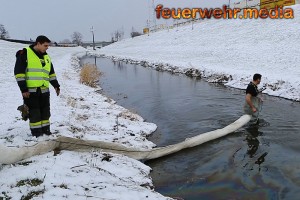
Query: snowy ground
{"x": 80, "y": 112}
{"x": 229, "y": 51}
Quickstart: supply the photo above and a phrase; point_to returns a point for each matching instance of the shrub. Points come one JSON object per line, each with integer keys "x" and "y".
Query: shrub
{"x": 89, "y": 75}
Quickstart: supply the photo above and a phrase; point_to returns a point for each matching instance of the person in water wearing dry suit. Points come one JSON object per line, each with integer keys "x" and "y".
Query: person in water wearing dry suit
{"x": 253, "y": 104}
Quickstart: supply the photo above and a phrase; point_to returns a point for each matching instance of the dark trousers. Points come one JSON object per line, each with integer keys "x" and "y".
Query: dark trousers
{"x": 39, "y": 112}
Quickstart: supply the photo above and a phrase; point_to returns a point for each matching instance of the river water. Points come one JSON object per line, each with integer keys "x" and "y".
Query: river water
{"x": 253, "y": 163}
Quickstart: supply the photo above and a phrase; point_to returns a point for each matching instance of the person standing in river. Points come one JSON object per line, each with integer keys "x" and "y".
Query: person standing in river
{"x": 34, "y": 72}
{"x": 253, "y": 103}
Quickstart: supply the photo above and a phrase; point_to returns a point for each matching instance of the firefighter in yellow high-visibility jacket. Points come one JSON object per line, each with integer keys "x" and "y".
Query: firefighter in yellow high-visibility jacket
{"x": 34, "y": 71}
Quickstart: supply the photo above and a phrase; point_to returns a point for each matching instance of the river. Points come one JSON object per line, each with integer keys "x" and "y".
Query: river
{"x": 253, "y": 163}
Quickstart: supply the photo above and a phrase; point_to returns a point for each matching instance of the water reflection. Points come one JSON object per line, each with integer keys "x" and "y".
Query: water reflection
{"x": 120, "y": 65}
{"x": 252, "y": 134}
{"x": 253, "y": 143}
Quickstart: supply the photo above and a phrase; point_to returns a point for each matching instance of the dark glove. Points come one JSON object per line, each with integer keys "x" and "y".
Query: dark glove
{"x": 57, "y": 90}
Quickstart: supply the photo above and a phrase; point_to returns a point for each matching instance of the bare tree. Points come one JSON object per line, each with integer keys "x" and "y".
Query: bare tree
{"x": 66, "y": 41}
{"x": 118, "y": 35}
{"x": 77, "y": 38}
{"x": 112, "y": 38}
{"x": 3, "y": 32}
{"x": 122, "y": 33}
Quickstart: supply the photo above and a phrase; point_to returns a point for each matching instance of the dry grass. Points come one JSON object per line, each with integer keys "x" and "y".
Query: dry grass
{"x": 89, "y": 75}
{"x": 131, "y": 115}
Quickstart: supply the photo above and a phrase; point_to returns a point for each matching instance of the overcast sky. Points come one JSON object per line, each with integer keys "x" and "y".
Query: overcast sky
{"x": 58, "y": 19}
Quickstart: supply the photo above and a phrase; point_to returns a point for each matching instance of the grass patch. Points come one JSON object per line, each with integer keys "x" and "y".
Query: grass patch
{"x": 89, "y": 75}
{"x": 9, "y": 138}
{"x": 23, "y": 163}
{"x": 63, "y": 186}
{"x": 31, "y": 182}
{"x": 107, "y": 157}
{"x": 6, "y": 197}
{"x": 130, "y": 114}
{"x": 32, "y": 194}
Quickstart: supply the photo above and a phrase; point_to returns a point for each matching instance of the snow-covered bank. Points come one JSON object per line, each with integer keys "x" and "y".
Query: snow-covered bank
{"x": 80, "y": 112}
{"x": 229, "y": 51}
{"x": 72, "y": 175}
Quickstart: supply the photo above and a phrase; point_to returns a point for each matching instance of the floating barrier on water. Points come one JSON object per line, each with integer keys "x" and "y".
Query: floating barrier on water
{"x": 11, "y": 155}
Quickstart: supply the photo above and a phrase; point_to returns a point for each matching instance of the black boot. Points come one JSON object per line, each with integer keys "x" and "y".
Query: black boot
{"x": 46, "y": 130}
{"x": 37, "y": 132}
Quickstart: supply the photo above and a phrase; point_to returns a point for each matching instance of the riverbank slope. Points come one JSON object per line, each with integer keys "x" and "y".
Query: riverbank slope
{"x": 228, "y": 51}
{"x": 80, "y": 112}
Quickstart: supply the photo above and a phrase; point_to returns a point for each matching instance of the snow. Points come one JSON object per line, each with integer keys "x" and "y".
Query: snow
{"x": 224, "y": 49}
{"x": 80, "y": 112}
{"x": 228, "y": 51}
{"x": 72, "y": 175}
